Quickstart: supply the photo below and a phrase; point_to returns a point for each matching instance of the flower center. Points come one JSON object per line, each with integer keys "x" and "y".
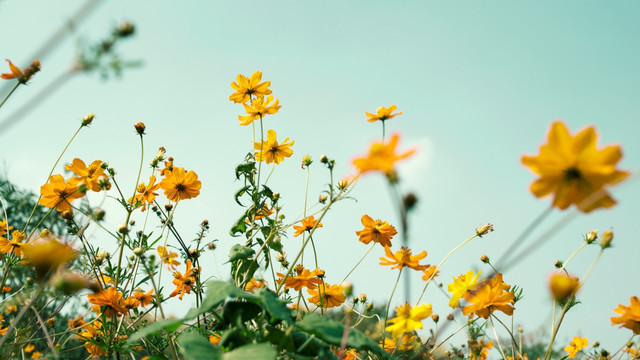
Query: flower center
{"x": 572, "y": 173}
{"x": 180, "y": 187}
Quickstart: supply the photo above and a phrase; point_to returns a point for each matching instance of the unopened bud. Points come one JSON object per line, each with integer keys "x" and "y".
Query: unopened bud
{"x": 450, "y": 317}
{"x": 205, "y": 223}
{"x": 484, "y": 259}
{"x": 67, "y": 215}
{"x": 194, "y": 254}
{"x": 123, "y": 229}
{"x": 343, "y": 184}
{"x": 322, "y": 199}
{"x": 98, "y": 214}
{"x": 138, "y": 251}
{"x": 139, "y": 128}
{"x": 435, "y": 318}
{"x": 306, "y": 160}
{"x": 355, "y": 300}
{"x": 125, "y": 29}
{"x": 46, "y": 233}
{"x": 168, "y": 207}
{"x": 87, "y": 120}
{"x": 324, "y": 159}
{"x": 81, "y": 187}
{"x": 558, "y": 264}
{"x": 363, "y": 298}
{"x": 347, "y": 287}
{"x": 276, "y": 196}
{"x": 51, "y": 322}
{"x": 605, "y": 240}
{"x": 484, "y": 229}
{"x": 104, "y": 183}
{"x": 211, "y": 246}
{"x": 410, "y": 200}
{"x": 369, "y": 307}
{"x": 591, "y": 236}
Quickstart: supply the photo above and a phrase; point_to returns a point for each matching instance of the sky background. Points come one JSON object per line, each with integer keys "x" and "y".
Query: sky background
{"x": 479, "y": 84}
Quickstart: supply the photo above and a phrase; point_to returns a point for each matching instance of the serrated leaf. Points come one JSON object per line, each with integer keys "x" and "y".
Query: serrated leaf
{"x": 246, "y": 168}
{"x": 196, "y": 347}
{"x": 239, "y": 193}
{"x": 239, "y": 227}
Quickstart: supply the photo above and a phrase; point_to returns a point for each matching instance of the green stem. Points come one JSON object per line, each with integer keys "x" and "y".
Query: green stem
{"x": 495, "y": 333}
{"x": 358, "y": 263}
{"x": 572, "y": 255}
{"x": 383, "y": 129}
{"x": 386, "y": 312}
{"x": 11, "y": 92}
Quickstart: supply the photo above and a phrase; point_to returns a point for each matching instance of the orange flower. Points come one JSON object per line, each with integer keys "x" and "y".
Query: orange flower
{"x": 109, "y": 300}
{"x": 403, "y": 258}
{"x": 332, "y": 295}
{"x": 479, "y": 350}
{"x": 377, "y": 231}
{"x": 307, "y": 225}
{"x": 22, "y": 76}
{"x": 58, "y": 194}
{"x": 574, "y": 170}
{"x": 47, "y": 255}
{"x": 407, "y": 319}
{"x": 4, "y": 228}
{"x": 131, "y": 302}
{"x": 430, "y": 273}
{"x": 629, "y": 315}
{"x": 490, "y": 295}
{"x": 382, "y": 157}
{"x": 563, "y": 286}
{"x": 184, "y": 283}
{"x": 168, "y": 258}
{"x": 272, "y": 152}
{"x": 383, "y": 114}
{"x": 77, "y": 323}
{"x": 144, "y": 298}
{"x": 245, "y": 88}
{"x": 14, "y": 245}
{"x": 145, "y": 193}
{"x": 407, "y": 342}
{"x": 89, "y": 175}
{"x": 575, "y": 346}
{"x": 258, "y": 109}
{"x": 304, "y": 278}
{"x": 92, "y": 334}
{"x": 180, "y": 185}
{"x": 254, "y": 284}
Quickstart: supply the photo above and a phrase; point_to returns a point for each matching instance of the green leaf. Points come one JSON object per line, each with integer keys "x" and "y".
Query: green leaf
{"x": 274, "y": 306}
{"x": 217, "y": 292}
{"x": 240, "y": 311}
{"x": 240, "y": 193}
{"x": 168, "y": 325}
{"x": 196, "y": 347}
{"x": 239, "y": 227}
{"x": 262, "y": 351}
{"x": 246, "y": 168}
{"x": 240, "y": 252}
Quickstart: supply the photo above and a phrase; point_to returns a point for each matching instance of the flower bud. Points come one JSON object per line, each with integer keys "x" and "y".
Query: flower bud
{"x": 484, "y": 259}
{"x": 51, "y": 322}
{"x": 138, "y": 251}
{"x": 484, "y": 229}
{"x": 324, "y": 159}
{"x": 98, "y": 214}
{"x": 168, "y": 207}
{"x": 450, "y": 317}
{"x": 605, "y": 240}
{"x": 355, "y": 300}
{"x": 46, "y": 233}
{"x": 104, "y": 183}
{"x": 591, "y": 236}
{"x": 563, "y": 286}
{"x": 322, "y": 198}
{"x": 194, "y": 254}
{"x": 139, "y": 128}
{"x": 363, "y": 298}
{"x": 67, "y": 215}
{"x": 369, "y": 307}
{"x": 211, "y": 246}
{"x": 435, "y": 318}
{"x": 410, "y": 200}
{"x": 558, "y": 264}
{"x": 306, "y": 160}
{"x": 343, "y": 184}
{"x": 347, "y": 287}
{"x": 276, "y": 196}
{"x": 123, "y": 229}
{"x": 125, "y": 29}
{"x": 87, "y": 120}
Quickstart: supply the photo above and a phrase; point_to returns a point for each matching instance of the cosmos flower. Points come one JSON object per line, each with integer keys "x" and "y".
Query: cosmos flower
{"x": 246, "y": 87}
{"x": 377, "y": 231}
{"x": 58, "y": 194}
{"x": 407, "y": 319}
{"x": 327, "y": 296}
{"x": 575, "y": 346}
{"x": 271, "y": 151}
{"x": 461, "y": 285}
{"x": 258, "y": 108}
{"x": 383, "y": 114}
{"x": 382, "y": 157}
{"x": 629, "y": 315}
{"x": 179, "y": 184}
{"x": 490, "y": 295}
{"x": 307, "y": 225}
{"x": 403, "y": 258}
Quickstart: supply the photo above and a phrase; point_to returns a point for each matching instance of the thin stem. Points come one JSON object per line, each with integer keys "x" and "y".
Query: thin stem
{"x": 270, "y": 172}
{"x": 593, "y": 265}
{"x": 495, "y": 333}
{"x": 455, "y": 332}
{"x": 358, "y": 263}
{"x": 159, "y": 302}
{"x": 572, "y": 255}
{"x": 383, "y": 129}
{"x": 11, "y": 92}
{"x": 386, "y": 312}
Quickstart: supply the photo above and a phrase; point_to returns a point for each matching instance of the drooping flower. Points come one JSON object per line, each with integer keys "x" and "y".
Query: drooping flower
{"x": 184, "y": 282}
{"x": 168, "y": 258}
{"x": 563, "y": 286}
{"x": 145, "y": 193}
{"x": 403, "y": 258}
{"x": 108, "y": 301}
{"x": 14, "y": 245}
{"x": 327, "y": 296}
{"x": 574, "y": 170}
{"x": 47, "y": 255}
{"x": 144, "y": 298}
{"x": 461, "y": 285}
{"x": 407, "y": 319}
{"x": 382, "y": 157}
{"x": 270, "y": 151}
{"x": 59, "y": 194}
{"x": 377, "y": 231}
{"x": 258, "y": 108}
{"x": 576, "y": 345}
{"x": 303, "y": 278}
{"x": 489, "y": 295}
{"x": 180, "y": 185}
{"x": 307, "y": 224}
{"x": 245, "y": 88}
{"x": 629, "y": 315}
{"x": 87, "y": 174}
{"x": 383, "y": 114}
{"x": 22, "y": 75}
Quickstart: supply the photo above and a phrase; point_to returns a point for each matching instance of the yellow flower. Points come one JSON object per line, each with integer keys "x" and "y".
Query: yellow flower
{"x": 246, "y": 87}
{"x": 576, "y": 345}
{"x": 29, "y": 348}
{"x": 407, "y": 342}
{"x": 430, "y": 273}
{"x": 574, "y": 170}
{"x": 184, "y": 282}
{"x": 254, "y": 284}
{"x": 377, "y": 231}
{"x": 14, "y": 245}
{"x": 145, "y": 193}
{"x": 180, "y": 185}
{"x": 89, "y": 175}
{"x": 403, "y": 258}
{"x": 307, "y": 225}
{"x": 36, "y": 355}
{"x": 490, "y": 295}
{"x": 303, "y": 278}
{"x": 271, "y": 151}
{"x": 168, "y": 258}
{"x": 110, "y": 302}
{"x": 478, "y": 349}
{"x": 383, "y": 114}
{"x": 461, "y": 285}
{"x": 4, "y": 228}
{"x": 258, "y": 108}
{"x": 629, "y": 315}
{"x": 563, "y": 286}
{"x": 408, "y": 319}
{"x": 332, "y": 295}
{"x": 47, "y": 255}
{"x": 58, "y": 194}
{"x": 382, "y": 157}
{"x": 144, "y": 298}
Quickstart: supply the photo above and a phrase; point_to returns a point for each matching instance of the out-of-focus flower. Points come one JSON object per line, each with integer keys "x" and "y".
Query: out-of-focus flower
{"x": 407, "y": 319}
{"x": 254, "y": 284}
{"x": 4, "y": 228}
{"x": 407, "y": 342}
{"x": 489, "y": 296}
{"x": 168, "y": 258}
{"x": 377, "y": 231}
{"x": 629, "y": 315}
{"x": 144, "y": 298}
{"x": 270, "y": 151}
{"x": 563, "y": 286}
{"x": 307, "y": 224}
{"x": 479, "y": 349}
{"x": 430, "y": 273}
{"x": 382, "y": 157}
{"x": 574, "y": 170}
{"x": 179, "y": 184}
{"x": 403, "y": 258}
{"x": 576, "y": 345}
{"x": 258, "y": 108}
{"x": 246, "y": 87}
{"x": 327, "y": 296}
{"x": 47, "y": 255}
{"x": 461, "y": 285}
{"x": 383, "y": 114}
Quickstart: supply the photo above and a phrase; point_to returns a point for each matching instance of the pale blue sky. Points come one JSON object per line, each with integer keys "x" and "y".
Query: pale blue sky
{"x": 479, "y": 84}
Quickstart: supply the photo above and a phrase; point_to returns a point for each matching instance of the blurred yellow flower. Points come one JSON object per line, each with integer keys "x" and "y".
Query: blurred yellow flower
{"x": 382, "y": 157}
{"x": 574, "y": 170}
{"x": 144, "y": 298}
{"x": 461, "y": 285}
{"x": 271, "y": 150}
{"x": 4, "y": 228}
{"x": 575, "y": 346}
{"x": 108, "y": 301}
{"x": 258, "y": 108}
{"x": 629, "y": 315}
{"x": 407, "y": 319}
{"x": 168, "y": 258}
{"x": 479, "y": 349}
{"x": 246, "y": 87}
{"x": 327, "y": 296}
{"x": 377, "y": 231}
{"x": 563, "y": 286}
{"x": 490, "y": 295}
{"x": 403, "y": 258}
{"x": 407, "y": 342}
{"x": 383, "y": 114}
{"x": 254, "y": 284}
{"x": 46, "y": 256}
{"x": 179, "y": 184}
